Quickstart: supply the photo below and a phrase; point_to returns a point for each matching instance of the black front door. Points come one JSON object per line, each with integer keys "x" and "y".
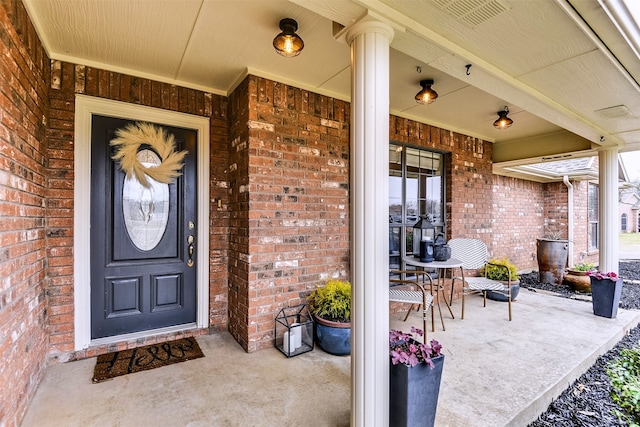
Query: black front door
{"x": 143, "y": 271}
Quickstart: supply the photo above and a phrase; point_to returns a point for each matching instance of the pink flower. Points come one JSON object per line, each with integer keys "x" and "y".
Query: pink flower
{"x": 601, "y": 276}
{"x": 404, "y": 349}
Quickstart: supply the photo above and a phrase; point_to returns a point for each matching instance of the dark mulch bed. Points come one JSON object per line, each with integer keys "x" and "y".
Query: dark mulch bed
{"x": 587, "y": 402}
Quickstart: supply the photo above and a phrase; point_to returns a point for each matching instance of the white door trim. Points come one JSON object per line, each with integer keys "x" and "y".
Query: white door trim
{"x": 87, "y": 106}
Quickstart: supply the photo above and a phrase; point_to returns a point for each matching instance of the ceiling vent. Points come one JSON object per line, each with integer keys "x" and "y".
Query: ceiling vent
{"x": 615, "y": 112}
{"x": 473, "y": 12}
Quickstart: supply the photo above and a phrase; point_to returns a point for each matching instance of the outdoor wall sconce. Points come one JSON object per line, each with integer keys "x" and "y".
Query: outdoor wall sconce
{"x": 424, "y": 233}
{"x": 426, "y": 95}
{"x": 288, "y": 43}
{"x": 503, "y": 121}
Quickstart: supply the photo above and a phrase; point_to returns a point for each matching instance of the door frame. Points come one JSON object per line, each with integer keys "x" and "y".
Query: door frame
{"x": 85, "y": 108}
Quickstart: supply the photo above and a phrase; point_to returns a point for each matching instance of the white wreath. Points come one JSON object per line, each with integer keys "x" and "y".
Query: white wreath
{"x": 128, "y": 143}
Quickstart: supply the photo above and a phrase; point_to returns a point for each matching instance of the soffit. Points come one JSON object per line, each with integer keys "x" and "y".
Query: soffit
{"x": 533, "y": 56}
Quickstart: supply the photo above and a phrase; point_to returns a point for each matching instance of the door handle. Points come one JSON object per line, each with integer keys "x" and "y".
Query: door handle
{"x": 190, "y": 240}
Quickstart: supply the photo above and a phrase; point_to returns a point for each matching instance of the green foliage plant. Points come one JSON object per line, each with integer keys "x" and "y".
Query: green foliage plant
{"x": 584, "y": 266}
{"x": 332, "y": 301}
{"x": 496, "y": 270}
{"x": 624, "y": 373}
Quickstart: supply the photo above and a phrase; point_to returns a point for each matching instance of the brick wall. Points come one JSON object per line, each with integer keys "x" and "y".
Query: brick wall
{"x": 555, "y": 209}
{"x": 518, "y": 216}
{"x": 524, "y": 211}
{"x": 67, "y": 80}
{"x": 24, "y": 73}
{"x": 239, "y": 214}
{"x": 291, "y": 205}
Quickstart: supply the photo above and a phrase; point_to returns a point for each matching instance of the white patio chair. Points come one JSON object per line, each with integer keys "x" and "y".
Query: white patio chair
{"x": 474, "y": 256}
{"x": 398, "y": 292}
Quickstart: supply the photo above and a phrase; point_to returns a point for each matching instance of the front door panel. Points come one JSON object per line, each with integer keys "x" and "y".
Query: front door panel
{"x": 143, "y": 272}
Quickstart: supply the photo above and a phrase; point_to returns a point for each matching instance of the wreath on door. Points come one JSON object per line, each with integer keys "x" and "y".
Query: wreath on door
{"x": 128, "y": 143}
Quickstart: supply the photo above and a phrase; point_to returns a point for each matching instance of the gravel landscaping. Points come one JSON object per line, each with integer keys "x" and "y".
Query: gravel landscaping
{"x": 587, "y": 402}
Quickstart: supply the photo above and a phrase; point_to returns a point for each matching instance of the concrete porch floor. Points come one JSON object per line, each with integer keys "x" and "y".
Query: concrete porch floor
{"x": 496, "y": 373}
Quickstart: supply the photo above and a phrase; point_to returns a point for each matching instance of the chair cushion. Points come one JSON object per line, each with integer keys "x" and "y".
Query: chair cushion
{"x": 415, "y": 297}
{"x": 484, "y": 284}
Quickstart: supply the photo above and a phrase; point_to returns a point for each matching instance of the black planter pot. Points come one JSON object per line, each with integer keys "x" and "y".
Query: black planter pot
{"x": 605, "y": 296}
{"x": 413, "y": 393}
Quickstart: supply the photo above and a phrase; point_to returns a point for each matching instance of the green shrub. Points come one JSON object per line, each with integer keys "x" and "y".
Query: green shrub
{"x": 332, "y": 301}
{"x": 624, "y": 373}
{"x": 584, "y": 266}
{"x": 497, "y": 273}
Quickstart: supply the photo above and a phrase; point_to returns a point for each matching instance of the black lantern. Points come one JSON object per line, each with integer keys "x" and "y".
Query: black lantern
{"x": 293, "y": 330}
{"x": 424, "y": 233}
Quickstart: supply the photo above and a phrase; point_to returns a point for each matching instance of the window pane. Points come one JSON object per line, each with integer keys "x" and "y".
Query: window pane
{"x": 434, "y": 197}
{"x": 395, "y": 199}
{"x": 145, "y": 210}
{"x": 411, "y": 197}
{"x": 415, "y": 181}
{"x": 394, "y": 247}
{"x": 593, "y": 235}
{"x": 408, "y": 236}
{"x": 593, "y": 202}
{"x": 395, "y": 156}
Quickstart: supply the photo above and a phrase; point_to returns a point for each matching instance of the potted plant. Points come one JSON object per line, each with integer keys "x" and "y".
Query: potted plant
{"x": 606, "y": 289}
{"x": 330, "y": 305}
{"x": 576, "y": 277}
{"x": 582, "y": 268}
{"x": 495, "y": 270}
{"x": 414, "y": 379}
{"x": 552, "y": 251}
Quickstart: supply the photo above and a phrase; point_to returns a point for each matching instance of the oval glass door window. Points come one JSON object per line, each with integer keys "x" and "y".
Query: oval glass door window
{"x": 146, "y": 210}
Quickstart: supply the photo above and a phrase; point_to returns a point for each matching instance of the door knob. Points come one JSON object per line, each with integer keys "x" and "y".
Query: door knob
{"x": 190, "y": 249}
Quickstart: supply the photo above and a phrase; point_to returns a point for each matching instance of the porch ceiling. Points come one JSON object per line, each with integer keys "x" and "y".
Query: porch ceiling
{"x": 559, "y": 65}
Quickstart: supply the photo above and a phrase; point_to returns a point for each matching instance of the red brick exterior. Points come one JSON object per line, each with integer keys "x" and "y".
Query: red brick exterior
{"x": 555, "y": 196}
{"x": 279, "y": 192}
{"x": 524, "y": 211}
{"x": 518, "y": 213}
{"x": 24, "y": 115}
{"x": 238, "y": 267}
{"x": 290, "y": 202}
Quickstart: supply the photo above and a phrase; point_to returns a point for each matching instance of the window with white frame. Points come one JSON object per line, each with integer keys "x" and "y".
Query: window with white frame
{"x": 416, "y": 188}
{"x": 623, "y": 223}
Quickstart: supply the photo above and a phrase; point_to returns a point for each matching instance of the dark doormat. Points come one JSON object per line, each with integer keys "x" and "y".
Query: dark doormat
{"x": 143, "y": 358}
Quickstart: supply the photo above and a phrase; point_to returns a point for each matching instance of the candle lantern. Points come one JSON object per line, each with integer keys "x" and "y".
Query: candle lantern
{"x": 424, "y": 233}
{"x": 293, "y": 330}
